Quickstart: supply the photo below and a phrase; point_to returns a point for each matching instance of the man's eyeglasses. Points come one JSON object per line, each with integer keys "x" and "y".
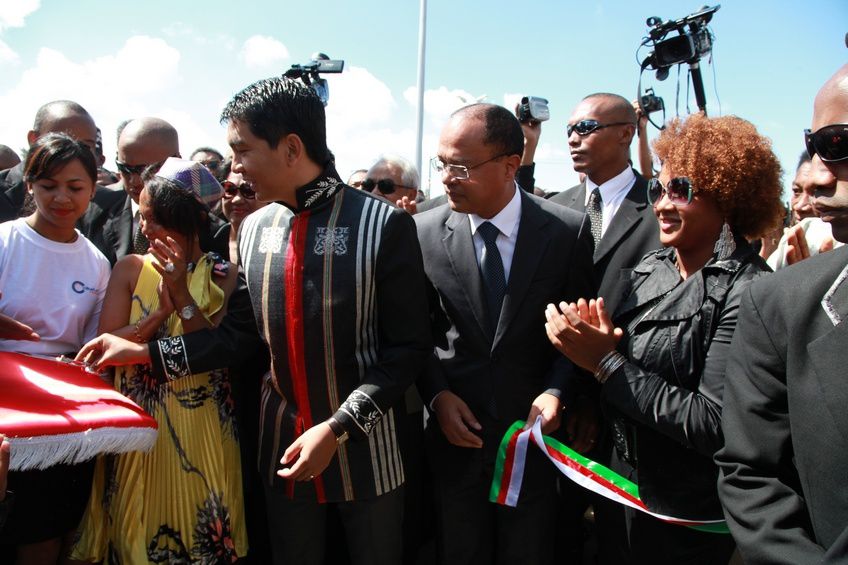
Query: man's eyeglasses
{"x": 385, "y": 186}
{"x": 679, "y": 191}
{"x": 131, "y": 170}
{"x": 829, "y": 142}
{"x": 459, "y": 172}
{"x": 585, "y": 127}
{"x": 245, "y": 189}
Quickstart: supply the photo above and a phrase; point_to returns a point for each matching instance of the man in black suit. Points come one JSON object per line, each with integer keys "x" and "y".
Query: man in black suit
{"x": 59, "y": 116}
{"x": 785, "y": 422}
{"x": 494, "y": 257}
{"x": 111, "y": 222}
{"x": 601, "y": 130}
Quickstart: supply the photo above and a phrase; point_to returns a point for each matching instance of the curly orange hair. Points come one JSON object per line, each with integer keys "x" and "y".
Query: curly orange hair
{"x": 727, "y": 159}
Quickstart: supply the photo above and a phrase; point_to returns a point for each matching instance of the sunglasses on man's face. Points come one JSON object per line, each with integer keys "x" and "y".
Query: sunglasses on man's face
{"x": 585, "y": 127}
{"x": 679, "y": 191}
{"x": 131, "y": 170}
{"x": 245, "y": 189}
{"x": 385, "y": 186}
{"x": 830, "y": 143}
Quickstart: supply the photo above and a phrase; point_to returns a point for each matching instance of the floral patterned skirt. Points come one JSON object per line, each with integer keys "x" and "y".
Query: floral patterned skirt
{"x": 182, "y": 501}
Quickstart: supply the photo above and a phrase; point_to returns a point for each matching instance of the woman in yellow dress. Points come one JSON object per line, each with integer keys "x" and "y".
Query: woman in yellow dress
{"x": 182, "y": 501}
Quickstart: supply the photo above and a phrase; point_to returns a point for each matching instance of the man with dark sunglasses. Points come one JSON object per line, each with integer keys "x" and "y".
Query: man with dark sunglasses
{"x": 600, "y": 131}
{"x": 784, "y": 420}
{"x": 392, "y": 177}
{"x": 112, "y": 219}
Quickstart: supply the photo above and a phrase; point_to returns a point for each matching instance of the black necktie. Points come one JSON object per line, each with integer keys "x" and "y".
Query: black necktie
{"x": 596, "y": 215}
{"x": 492, "y": 268}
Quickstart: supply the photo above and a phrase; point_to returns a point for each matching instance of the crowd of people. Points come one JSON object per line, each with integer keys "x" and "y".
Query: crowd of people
{"x": 333, "y": 366}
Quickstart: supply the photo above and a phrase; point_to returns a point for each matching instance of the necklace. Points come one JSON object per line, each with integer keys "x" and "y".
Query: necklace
{"x": 72, "y": 239}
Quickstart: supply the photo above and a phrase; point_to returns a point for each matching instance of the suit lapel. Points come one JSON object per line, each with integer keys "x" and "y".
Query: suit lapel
{"x": 628, "y": 215}
{"x": 578, "y": 199}
{"x": 459, "y": 248}
{"x": 828, "y": 358}
{"x": 530, "y": 245}
{"x": 122, "y": 231}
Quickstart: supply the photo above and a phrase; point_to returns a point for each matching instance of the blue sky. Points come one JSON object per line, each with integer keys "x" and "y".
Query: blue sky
{"x": 182, "y": 61}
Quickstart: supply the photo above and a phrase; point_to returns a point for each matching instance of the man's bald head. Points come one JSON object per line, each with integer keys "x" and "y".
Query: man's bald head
{"x": 64, "y": 116}
{"x": 143, "y": 143}
{"x": 149, "y": 131}
{"x": 616, "y": 106}
{"x": 8, "y": 158}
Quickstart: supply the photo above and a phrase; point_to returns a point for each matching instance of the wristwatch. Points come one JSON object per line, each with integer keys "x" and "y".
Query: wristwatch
{"x": 187, "y": 312}
{"x": 338, "y": 430}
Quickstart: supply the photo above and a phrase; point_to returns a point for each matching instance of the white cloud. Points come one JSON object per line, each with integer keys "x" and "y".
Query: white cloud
{"x": 263, "y": 51}
{"x": 7, "y": 54}
{"x": 13, "y": 12}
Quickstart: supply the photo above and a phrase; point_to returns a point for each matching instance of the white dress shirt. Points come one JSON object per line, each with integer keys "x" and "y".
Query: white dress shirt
{"x": 507, "y": 223}
{"x": 612, "y": 194}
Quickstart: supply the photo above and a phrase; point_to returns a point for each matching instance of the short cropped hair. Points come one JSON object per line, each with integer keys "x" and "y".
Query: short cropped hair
{"x": 727, "y": 159}
{"x": 275, "y": 107}
{"x": 502, "y": 129}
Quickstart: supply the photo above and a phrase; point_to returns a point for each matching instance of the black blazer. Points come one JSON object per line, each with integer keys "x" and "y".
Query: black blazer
{"x": 632, "y": 233}
{"x": 499, "y": 371}
{"x": 785, "y": 420}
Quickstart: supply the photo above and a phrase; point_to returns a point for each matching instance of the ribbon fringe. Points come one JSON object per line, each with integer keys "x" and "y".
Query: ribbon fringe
{"x": 45, "y": 451}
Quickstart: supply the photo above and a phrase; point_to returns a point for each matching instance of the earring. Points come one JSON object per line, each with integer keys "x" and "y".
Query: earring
{"x": 725, "y": 246}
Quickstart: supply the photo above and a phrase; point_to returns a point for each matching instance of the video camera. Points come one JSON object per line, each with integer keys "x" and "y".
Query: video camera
{"x": 533, "y": 108}
{"x": 693, "y": 42}
{"x": 310, "y": 73}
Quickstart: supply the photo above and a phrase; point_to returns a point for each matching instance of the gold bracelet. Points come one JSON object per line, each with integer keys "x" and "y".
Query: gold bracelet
{"x": 138, "y": 337}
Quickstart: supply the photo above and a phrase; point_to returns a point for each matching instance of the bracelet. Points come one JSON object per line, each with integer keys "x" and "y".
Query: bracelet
{"x": 608, "y": 365}
{"x": 137, "y": 330}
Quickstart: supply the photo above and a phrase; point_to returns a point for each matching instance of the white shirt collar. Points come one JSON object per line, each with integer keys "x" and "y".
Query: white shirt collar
{"x": 613, "y": 187}
{"x": 506, "y": 220}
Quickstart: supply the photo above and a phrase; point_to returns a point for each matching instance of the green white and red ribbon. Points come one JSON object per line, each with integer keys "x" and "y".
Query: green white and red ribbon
{"x": 509, "y": 473}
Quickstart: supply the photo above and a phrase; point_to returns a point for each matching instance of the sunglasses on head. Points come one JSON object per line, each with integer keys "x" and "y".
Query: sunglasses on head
{"x": 679, "y": 191}
{"x": 131, "y": 170}
{"x": 830, "y": 143}
{"x": 385, "y": 186}
{"x": 245, "y": 189}
{"x": 585, "y": 127}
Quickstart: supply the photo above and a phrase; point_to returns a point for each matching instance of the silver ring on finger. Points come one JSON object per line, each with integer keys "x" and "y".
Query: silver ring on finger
{"x": 311, "y": 477}
{"x": 169, "y": 267}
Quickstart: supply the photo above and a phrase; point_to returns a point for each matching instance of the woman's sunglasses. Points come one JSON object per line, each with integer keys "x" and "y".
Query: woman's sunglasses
{"x": 245, "y": 189}
{"x": 679, "y": 191}
{"x": 830, "y": 143}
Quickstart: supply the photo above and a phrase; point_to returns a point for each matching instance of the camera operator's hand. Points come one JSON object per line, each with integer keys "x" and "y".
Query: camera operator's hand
{"x": 646, "y": 162}
{"x": 532, "y": 131}
{"x": 641, "y": 118}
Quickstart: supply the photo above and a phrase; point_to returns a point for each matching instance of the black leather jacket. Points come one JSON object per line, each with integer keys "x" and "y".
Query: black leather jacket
{"x": 665, "y": 402}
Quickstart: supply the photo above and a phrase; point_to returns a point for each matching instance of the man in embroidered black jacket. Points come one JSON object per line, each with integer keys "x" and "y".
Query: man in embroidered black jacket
{"x": 328, "y": 270}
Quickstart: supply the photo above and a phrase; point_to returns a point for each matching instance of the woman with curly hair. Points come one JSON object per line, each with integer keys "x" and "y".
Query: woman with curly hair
{"x": 660, "y": 360}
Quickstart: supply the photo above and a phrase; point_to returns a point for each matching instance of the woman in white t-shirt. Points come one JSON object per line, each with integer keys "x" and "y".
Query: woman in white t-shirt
{"x": 53, "y": 281}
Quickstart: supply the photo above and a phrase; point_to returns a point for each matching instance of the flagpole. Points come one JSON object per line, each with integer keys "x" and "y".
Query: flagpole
{"x": 419, "y": 131}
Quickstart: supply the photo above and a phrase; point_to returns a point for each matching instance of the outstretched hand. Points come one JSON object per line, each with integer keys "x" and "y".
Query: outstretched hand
{"x": 10, "y": 328}
{"x": 582, "y": 331}
{"x": 108, "y": 350}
